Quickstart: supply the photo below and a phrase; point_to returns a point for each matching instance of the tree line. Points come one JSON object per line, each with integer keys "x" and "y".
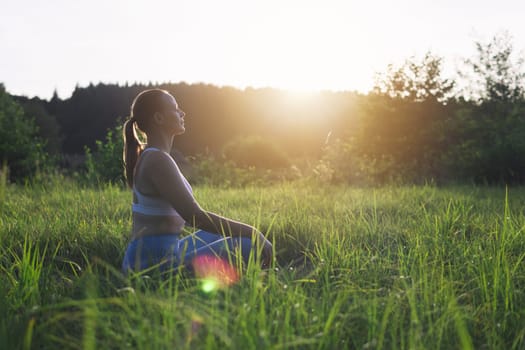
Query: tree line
{"x": 415, "y": 125}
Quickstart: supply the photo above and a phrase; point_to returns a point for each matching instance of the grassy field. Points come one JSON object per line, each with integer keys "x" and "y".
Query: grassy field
{"x": 357, "y": 268}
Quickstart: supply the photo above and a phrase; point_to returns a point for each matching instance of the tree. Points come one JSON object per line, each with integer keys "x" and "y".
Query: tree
{"x": 48, "y": 128}
{"x": 20, "y": 148}
{"x": 494, "y": 75}
{"x": 401, "y": 126}
{"x": 415, "y": 81}
{"x": 491, "y": 128}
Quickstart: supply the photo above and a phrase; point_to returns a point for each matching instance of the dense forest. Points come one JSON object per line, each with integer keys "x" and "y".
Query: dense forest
{"x": 414, "y": 126}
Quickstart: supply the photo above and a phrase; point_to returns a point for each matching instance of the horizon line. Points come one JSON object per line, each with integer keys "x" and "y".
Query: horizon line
{"x": 183, "y": 82}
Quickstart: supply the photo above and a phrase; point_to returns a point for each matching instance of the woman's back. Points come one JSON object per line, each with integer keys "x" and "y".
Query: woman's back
{"x": 152, "y": 214}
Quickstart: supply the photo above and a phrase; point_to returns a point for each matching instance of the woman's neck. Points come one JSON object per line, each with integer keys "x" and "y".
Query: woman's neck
{"x": 162, "y": 142}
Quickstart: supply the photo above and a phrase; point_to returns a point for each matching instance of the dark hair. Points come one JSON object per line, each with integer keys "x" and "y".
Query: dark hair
{"x": 143, "y": 107}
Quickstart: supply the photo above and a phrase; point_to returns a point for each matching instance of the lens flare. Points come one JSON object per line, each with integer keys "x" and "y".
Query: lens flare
{"x": 215, "y": 272}
{"x": 208, "y": 285}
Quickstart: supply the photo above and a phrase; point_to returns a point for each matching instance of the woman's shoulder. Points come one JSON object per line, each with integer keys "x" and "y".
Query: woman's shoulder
{"x": 155, "y": 170}
{"x": 157, "y": 160}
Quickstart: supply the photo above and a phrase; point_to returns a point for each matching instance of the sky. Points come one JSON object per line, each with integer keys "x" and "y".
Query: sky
{"x": 287, "y": 44}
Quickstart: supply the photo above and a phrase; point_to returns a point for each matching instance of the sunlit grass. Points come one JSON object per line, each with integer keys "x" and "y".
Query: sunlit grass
{"x": 385, "y": 268}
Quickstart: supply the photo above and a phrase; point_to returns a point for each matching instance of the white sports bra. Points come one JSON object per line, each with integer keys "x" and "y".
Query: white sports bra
{"x": 157, "y": 206}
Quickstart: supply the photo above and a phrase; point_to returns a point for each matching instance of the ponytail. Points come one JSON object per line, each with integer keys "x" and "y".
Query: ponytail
{"x": 143, "y": 107}
{"x": 132, "y": 149}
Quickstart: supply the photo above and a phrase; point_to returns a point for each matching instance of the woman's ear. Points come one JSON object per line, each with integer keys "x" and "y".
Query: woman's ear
{"x": 158, "y": 117}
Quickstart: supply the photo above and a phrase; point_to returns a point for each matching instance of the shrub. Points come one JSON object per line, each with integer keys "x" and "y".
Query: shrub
{"x": 342, "y": 163}
{"x": 208, "y": 170}
{"x": 254, "y": 151}
{"x": 105, "y": 164}
{"x": 20, "y": 148}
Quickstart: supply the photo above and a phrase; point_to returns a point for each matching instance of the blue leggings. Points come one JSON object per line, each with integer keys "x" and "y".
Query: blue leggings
{"x": 169, "y": 251}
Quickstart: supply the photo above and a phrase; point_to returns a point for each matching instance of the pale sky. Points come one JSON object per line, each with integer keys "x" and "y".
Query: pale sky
{"x": 289, "y": 44}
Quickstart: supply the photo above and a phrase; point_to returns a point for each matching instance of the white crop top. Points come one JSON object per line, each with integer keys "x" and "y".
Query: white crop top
{"x": 157, "y": 206}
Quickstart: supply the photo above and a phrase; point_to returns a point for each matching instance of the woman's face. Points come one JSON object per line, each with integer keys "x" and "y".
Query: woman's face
{"x": 174, "y": 116}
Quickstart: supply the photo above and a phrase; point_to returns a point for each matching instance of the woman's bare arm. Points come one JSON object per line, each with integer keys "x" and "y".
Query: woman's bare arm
{"x": 166, "y": 178}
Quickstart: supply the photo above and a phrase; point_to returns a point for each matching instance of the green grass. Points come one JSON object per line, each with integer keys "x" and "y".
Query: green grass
{"x": 357, "y": 268}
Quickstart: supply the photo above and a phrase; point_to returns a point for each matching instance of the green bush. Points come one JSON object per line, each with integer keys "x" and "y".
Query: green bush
{"x": 208, "y": 170}
{"x": 342, "y": 163}
{"x": 20, "y": 148}
{"x": 254, "y": 151}
{"x": 491, "y": 144}
{"x": 105, "y": 164}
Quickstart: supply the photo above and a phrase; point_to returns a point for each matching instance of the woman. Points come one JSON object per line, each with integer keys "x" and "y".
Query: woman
{"x": 163, "y": 202}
